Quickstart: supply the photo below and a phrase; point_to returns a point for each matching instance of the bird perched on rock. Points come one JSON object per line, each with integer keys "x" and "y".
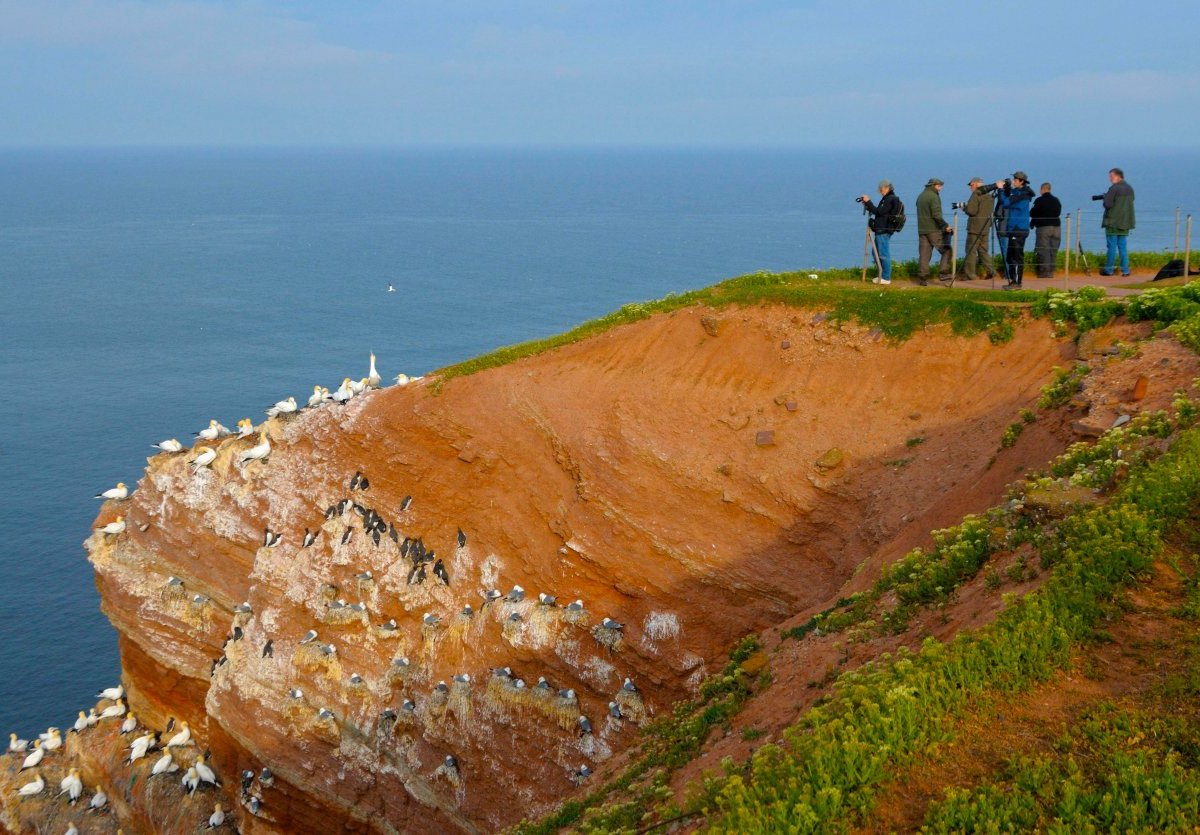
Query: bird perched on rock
{"x": 577, "y": 606}
{"x": 463, "y": 678}
{"x": 52, "y": 739}
{"x": 430, "y": 619}
{"x": 325, "y": 715}
{"x": 114, "y": 711}
{"x": 205, "y": 773}
{"x": 309, "y": 537}
{"x": 115, "y": 494}
{"x": 614, "y": 710}
{"x": 628, "y": 686}
{"x": 542, "y": 683}
{"x": 516, "y": 595}
{"x": 203, "y": 458}
{"x": 33, "y": 787}
{"x": 462, "y": 539}
{"x": 254, "y": 804}
{"x": 243, "y": 608}
{"x": 295, "y": 694}
{"x": 373, "y": 378}
{"x": 467, "y": 611}
{"x": 268, "y": 649}
{"x": 171, "y": 445}
{"x": 245, "y": 428}
{"x": 567, "y": 695}
{"x": 515, "y": 617}
{"x": 130, "y": 723}
{"x": 165, "y": 765}
{"x": 257, "y": 452}
{"x": 113, "y": 693}
{"x": 439, "y": 571}
{"x": 213, "y": 431}
{"x": 217, "y": 818}
{"x": 343, "y": 393}
{"x": 609, "y": 623}
{"x": 405, "y": 503}
{"x": 191, "y": 780}
{"x": 582, "y": 773}
{"x": 585, "y": 726}
{"x": 546, "y": 599}
{"x": 182, "y": 738}
{"x": 408, "y": 706}
{"x": 247, "y": 780}
{"x": 35, "y": 756}
{"x": 283, "y": 407}
{"x": 490, "y": 595}
{"x": 356, "y": 479}
{"x": 320, "y": 395}
{"x": 502, "y": 672}
{"x": 98, "y": 800}
{"x": 441, "y": 687}
{"x": 356, "y": 680}
{"x": 140, "y": 747}
{"x": 309, "y": 637}
{"x": 17, "y": 746}
{"x": 266, "y": 778}
{"x": 117, "y": 526}
{"x": 346, "y": 536}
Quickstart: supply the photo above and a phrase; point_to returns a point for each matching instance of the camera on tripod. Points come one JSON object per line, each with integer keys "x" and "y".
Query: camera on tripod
{"x": 957, "y": 207}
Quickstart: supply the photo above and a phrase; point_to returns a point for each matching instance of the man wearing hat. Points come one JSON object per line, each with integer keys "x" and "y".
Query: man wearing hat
{"x": 883, "y": 224}
{"x": 979, "y": 218}
{"x": 1014, "y": 196}
{"x": 931, "y": 232}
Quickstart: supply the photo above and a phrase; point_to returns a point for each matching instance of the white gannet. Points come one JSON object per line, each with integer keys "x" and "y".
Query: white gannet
{"x": 71, "y": 829}
{"x": 217, "y": 818}
{"x": 139, "y": 748}
{"x": 203, "y": 459}
{"x": 206, "y": 774}
{"x": 344, "y": 392}
{"x": 373, "y": 378}
{"x": 114, "y": 527}
{"x": 130, "y": 723}
{"x": 213, "y": 431}
{"x": 282, "y": 407}
{"x": 34, "y": 757}
{"x": 71, "y": 785}
{"x": 33, "y": 787}
{"x": 165, "y": 764}
{"x": 359, "y": 386}
{"x": 98, "y": 800}
{"x": 114, "y": 711}
{"x": 92, "y": 718}
{"x": 81, "y": 723}
{"x": 169, "y": 445}
{"x": 181, "y": 738}
{"x": 191, "y": 781}
{"x": 402, "y": 379}
{"x": 320, "y": 395}
{"x": 112, "y": 693}
{"x": 257, "y": 452}
{"x": 17, "y": 746}
{"x": 245, "y": 428}
{"x": 53, "y": 740}
{"x": 116, "y": 494}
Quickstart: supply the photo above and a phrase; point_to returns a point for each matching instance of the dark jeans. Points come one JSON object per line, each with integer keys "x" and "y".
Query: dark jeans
{"x": 1014, "y": 256}
{"x": 1046, "y": 244}
{"x": 927, "y": 243}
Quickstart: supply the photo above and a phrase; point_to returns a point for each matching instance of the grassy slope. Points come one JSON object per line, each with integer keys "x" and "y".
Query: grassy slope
{"x": 825, "y": 776}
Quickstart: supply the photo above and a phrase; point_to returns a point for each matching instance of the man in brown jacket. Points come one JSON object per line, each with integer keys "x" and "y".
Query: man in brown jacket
{"x": 931, "y": 232}
{"x": 979, "y": 220}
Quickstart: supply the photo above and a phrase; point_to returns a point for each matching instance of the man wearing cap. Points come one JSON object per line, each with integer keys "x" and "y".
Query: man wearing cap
{"x": 979, "y": 217}
{"x": 931, "y": 232}
{"x": 883, "y": 224}
{"x": 1014, "y": 196}
{"x": 1045, "y": 216}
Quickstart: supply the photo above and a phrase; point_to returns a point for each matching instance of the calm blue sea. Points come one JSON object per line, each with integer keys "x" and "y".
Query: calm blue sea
{"x": 144, "y": 291}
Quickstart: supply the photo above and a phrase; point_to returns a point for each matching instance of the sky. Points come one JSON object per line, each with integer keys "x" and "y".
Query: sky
{"x": 599, "y": 72}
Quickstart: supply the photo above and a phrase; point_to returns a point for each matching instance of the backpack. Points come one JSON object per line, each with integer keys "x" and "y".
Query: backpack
{"x": 899, "y": 217}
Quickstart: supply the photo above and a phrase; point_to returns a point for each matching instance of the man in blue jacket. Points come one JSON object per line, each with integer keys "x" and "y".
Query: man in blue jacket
{"x": 1015, "y": 196}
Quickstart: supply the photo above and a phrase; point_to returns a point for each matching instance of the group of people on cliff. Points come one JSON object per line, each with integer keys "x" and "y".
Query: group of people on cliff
{"x": 1012, "y": 210}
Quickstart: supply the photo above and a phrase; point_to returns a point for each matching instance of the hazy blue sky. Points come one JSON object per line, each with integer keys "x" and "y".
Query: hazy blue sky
{"x": 908, "y": 72}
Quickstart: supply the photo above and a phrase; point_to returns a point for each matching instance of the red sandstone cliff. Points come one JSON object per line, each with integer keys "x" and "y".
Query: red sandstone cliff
{"x": 626, "y": 470}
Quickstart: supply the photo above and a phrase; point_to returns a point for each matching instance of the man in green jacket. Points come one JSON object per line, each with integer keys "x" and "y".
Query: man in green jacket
{"x": 979, "y": 221}
{"x": 931, "y": 232}
{"x": 1118, "y": 220}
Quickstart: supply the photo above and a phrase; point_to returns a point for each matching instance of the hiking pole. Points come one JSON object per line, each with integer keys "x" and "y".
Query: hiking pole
{"x": 954, "y": 250}
{"x": 866, "y": 250}
{"x": 1067, "y": 255}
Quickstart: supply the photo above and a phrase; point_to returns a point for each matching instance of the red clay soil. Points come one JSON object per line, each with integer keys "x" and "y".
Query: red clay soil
{"x": 696, "y": 476}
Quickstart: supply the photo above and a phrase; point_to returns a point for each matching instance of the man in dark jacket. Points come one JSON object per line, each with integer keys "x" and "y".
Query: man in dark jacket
{"x": 931, "y": 232}
{"x": 1118, "y": 220}
{"x": 979, "y": 218}
{"x": 1015, "y": 196}
{"x": 1045, "y": 216}
{"x": 883, "y": 224}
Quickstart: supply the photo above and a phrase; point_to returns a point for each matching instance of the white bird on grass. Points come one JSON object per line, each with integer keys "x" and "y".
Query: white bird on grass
{"x": 114, "y": 527}
{"x": 115, "y": 494}
{"x": 213, "y": 431}
{"x": 257, "y": 452}
{"x": 182, "y": 738}
{"x": 283, "y": 407}
{"x": 169, "y": 445}
{"x": 71, "y": 785}
{"x": 205, "y": 457}
{"x": 33, "y": 787}
{"x": 373, "y": 378}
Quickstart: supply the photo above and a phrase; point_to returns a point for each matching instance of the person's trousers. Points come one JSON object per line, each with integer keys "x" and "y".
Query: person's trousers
{"x": 1014, "y": 256}
{"x": 977, "y": 254}
{"x": 883, "y": 246}
{"x": 1046, "y": 244}
{"x": 927, "y": 242}
{"x": 1117, "y": 244}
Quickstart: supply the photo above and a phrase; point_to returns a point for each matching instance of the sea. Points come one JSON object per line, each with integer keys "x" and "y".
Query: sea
{"x": 145, "y": 291}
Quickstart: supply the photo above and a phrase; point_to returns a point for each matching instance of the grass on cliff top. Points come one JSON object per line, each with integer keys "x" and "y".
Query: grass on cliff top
{"x": 897, "y": 314}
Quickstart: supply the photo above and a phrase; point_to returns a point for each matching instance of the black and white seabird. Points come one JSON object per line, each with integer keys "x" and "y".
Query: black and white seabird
{"x": 295, "y": 693}
{"x": 629, "y": 686}
{"x": 614, "y": 710}
{"x": 430, "y": 619}
{"x": 309, "y": 636}
{"x": 462, "y": 539}
{"x": 325, "y": 714}
{"x": 439, "y": 571}
{"x": 467, "y": 611}
{"x": 567, "y": 695}
{"x": 441, "y": 687}
{"x": 356, "y": 479}
{"x": 405, "y": 503}
{"x": 408, "y": 706}
{"x": 356, "y": 679}
{"x": 463, "y": 678}
{"x": 515, "y": 617}
{"x": 502, "y": 672}
{"x": 577, "y": 606}
{"x": 546, "y": 599}
{"x": 516, "y": 595}
{"x": 542, "y": 683}
{"x": 490, "y": 595}
{"x": 243, "y": 608}
{"x": 247, "y": 780}
{"x": 451, "y": 763}
{"x": 609, "y": 623}
{"x": 266, "y": 778}
{"x": 346, "y": 536}
{"x": 310, "y": 537}
{"x": 585, "y": 726}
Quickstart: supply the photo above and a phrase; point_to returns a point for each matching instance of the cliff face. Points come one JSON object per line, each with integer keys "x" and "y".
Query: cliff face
{"x": 695, "y": 477}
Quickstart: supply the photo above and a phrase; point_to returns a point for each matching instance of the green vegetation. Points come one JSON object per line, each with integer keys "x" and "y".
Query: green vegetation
{"x": 1011, "y": 433}
{"x": 1066, "y": 384}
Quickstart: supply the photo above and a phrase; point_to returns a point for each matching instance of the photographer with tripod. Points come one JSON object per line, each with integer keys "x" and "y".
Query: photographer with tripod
{"x": 886, "y": 219}
{"x": 978, "y": 210}
{"x": 1014, "y": 196}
